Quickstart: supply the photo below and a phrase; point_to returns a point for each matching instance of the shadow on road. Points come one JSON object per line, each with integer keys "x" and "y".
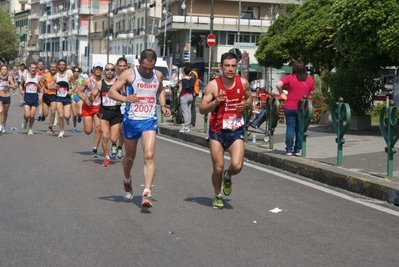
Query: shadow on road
{"x": 207, "y": 201}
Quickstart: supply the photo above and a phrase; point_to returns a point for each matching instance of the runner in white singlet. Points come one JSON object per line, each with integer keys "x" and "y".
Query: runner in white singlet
{"x": 6, "y": 82}
{"x": 140, "y": 119}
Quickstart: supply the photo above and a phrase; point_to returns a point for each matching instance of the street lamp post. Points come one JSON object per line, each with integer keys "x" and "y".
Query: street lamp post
{"x": 109, "y": 22}
{"x": 183, "y": 6}
{"x": 190, "y": 31}
{"x": 165, "y": 12}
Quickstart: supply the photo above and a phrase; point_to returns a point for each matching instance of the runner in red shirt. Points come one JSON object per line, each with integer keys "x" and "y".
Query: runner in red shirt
{"x": 226, "y": 97}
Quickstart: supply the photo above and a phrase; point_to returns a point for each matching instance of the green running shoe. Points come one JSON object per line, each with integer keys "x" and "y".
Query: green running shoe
{"x": 227, "y": 185}
{"x": 218, "y": 202}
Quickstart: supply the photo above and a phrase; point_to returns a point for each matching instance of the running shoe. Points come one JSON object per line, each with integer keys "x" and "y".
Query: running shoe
{"x": 1, "y": 129}
{"x": 61, "y": 135}
{"x": 55, "y": 124}
{"x": 146, "y": 203}
{"x": 120, "y": 153}
{"x": 79, "y": 119}
{"x": 185, "y": 130}
{"x": 227, "y": 184}
{"x": 297, "y": 154}
{"x": 43, "y": 118}
{"x": 127, "y": 191}
{"x": 67, "y": 121}
{"x": 106, "y": 162}
{"x": 30, "y": 132}
{"x": 113, "y": 152}
{"x": 39, "y": 118}
{"x": 73, "y": 130}
{"x": 94, "y": 153}
{"x": 218, "y": 202}
{"x": 50, "y": 130}
{"x": 25, "y": 124}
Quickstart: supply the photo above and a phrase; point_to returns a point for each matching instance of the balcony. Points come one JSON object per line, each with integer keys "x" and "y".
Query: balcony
{"x": 219, "y": 23}
{"x": 121, "y": 36}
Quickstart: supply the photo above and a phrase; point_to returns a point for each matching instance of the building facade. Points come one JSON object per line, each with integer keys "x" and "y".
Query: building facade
{"x": 70, "y": 29}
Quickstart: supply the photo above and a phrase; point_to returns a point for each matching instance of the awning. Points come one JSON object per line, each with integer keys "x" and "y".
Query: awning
{"x": 252, "y": 68}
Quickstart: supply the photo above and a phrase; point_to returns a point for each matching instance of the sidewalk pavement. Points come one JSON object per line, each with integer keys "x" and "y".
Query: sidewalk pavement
{"x": 364, "y": 162}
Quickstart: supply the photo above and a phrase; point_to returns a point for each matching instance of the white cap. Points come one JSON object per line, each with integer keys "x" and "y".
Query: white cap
{"x": 97, "y": 64}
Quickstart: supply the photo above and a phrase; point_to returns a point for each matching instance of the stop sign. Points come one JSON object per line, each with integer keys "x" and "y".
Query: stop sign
{"x": 211, "y": 40}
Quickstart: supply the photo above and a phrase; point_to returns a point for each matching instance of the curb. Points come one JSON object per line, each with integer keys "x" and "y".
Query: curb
{"x": 363, "y": 184}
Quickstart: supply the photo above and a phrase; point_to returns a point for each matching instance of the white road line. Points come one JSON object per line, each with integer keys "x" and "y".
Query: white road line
{"x": 287, "y": 177}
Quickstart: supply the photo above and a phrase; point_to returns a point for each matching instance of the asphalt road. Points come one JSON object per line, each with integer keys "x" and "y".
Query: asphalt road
{"x": 60, "y": 207}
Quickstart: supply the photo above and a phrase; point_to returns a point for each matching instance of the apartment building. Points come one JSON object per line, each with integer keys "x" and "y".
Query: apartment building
{"x": 174, "y": 28}
{"x": 185, "y": 25}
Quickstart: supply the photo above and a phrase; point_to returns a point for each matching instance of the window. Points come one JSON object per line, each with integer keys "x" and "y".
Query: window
{"x": 231, "y": 38}
{"x": 250, "y": 12}
{"x": 199, "y": 50}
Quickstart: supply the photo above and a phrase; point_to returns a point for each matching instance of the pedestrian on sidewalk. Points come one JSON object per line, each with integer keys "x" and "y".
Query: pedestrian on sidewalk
{"x": 186, "y": 90}
{"x": 297, "y": 84}
{"x": 226, "y": 97}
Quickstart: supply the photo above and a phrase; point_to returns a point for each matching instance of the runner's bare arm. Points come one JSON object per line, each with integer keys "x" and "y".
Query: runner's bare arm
{"x": 21, "y": 85}
{"x": 79, "y": 92}
{"x": 246, "y": 103}
{"x": 211, "y": 98}
{"x": 97, "y": 89}
{"x": 125, "y": 78}
{"x": 72, "y": 81}
{"x": 12, "y": 83}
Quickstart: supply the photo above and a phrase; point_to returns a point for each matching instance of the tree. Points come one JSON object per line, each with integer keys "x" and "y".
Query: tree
{"x": 8, "y": 38}
{"x": 367, "y": 32}
{"x": 300, "y": 32}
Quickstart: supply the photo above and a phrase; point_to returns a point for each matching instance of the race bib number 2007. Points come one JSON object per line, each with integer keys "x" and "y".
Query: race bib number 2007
{"x": 144, "y": 107}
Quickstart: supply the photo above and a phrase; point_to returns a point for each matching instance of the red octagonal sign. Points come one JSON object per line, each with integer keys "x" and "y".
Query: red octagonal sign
{"x": 211, "y": 40}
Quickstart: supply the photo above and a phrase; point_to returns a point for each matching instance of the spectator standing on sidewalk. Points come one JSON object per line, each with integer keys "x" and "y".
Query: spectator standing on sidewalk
{"x": 226, "y": 97}
{"x": 297, "y": 84}
{"x": 196, "y": 87}
{"x": 186, "y": 90}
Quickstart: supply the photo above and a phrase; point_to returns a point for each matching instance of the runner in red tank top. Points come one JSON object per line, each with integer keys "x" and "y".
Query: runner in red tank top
{"x": 226, "y": 97}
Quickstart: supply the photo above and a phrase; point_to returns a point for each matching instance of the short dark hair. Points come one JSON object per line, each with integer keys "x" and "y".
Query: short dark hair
{"x": 61, "y": 60}
{"x": 148, "y": 54}
{"x": 228, "y": 55}
{"x": 121, "y": 59}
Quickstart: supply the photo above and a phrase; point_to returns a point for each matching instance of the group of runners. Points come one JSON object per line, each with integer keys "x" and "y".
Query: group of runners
{"x": 121, "y": 104}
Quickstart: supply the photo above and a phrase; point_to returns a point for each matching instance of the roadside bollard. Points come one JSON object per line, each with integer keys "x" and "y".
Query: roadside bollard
{"x": 305, "y": 112}
{"x": 175, "y": 105}
{"x": 341, "y": 119}
{"x": 272, "y": 109}
{"x": 247, "y": 115}
{"x": 388, "y": 122}
{"x": 206, "y": 123}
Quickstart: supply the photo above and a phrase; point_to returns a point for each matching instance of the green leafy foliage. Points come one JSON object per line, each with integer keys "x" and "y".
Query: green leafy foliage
{"x": 367, "y": 31}
{"x": 8, "y": 38}
{"x": 356, "y": 84}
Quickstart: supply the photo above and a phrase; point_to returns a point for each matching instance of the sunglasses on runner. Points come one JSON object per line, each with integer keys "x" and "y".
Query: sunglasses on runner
{"x": 107, "y": 69}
